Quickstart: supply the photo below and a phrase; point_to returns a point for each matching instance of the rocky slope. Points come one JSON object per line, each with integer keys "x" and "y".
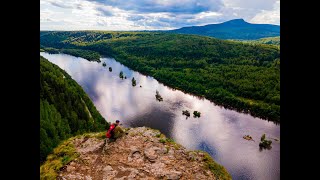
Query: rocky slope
{"x": 143, "y": 153}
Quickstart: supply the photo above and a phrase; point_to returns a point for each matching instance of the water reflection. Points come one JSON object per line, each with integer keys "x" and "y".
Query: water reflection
{"x": 218, "y": 131}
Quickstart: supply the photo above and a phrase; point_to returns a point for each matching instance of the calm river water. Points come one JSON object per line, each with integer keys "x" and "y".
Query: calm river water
{"x": 218, "y": 131}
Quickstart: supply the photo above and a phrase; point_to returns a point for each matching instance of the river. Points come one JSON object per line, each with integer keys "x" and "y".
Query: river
{"x": 218, "y": 131}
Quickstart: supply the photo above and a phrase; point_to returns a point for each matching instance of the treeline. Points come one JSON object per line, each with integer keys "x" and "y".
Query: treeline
{"x": 65, "y": 109}
{"x": 237, "y": 75}
{"x": 87, "y": 54}
{"x": 269, "y": 40}
{"x": 273, "y": 41}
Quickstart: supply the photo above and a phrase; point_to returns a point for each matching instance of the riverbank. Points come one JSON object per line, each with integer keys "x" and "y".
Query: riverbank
{"x": 86, "y": 54}
{"x": 217, "y": 96}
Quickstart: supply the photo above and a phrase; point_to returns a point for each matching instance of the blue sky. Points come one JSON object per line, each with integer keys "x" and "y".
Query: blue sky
{"x": 152, "y": 14}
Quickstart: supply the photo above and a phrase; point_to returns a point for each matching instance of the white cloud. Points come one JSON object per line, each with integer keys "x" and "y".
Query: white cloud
{"x": 251, "y": 4}
{"x": 268, "y": 17}
{"x": 158, "y": 14}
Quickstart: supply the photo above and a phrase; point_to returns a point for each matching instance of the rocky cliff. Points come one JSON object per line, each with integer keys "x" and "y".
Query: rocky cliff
{"x": 143, "y": 153}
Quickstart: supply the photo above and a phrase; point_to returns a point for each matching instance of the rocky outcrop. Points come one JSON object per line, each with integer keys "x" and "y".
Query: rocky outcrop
{"x": 143, "y": 153}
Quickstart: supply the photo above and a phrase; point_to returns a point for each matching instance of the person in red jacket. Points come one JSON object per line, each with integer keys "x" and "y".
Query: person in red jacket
{"x": 115, "y": 131}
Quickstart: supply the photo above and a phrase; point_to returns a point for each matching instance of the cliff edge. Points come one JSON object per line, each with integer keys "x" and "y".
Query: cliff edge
{"x": 143, "y": 153}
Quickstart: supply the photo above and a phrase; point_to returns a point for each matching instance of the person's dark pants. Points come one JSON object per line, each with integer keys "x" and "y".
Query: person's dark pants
{"x": 112, "y": 139}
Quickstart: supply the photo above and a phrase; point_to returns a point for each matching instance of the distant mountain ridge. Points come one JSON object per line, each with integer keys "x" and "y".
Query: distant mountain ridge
{"x": 233, "y": 29}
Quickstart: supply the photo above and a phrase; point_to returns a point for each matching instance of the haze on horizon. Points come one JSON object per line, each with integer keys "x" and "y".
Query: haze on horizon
{"x": 130, "y": 15}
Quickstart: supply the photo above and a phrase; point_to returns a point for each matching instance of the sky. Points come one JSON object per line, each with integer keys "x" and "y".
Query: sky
{"x": 152, "y": 14}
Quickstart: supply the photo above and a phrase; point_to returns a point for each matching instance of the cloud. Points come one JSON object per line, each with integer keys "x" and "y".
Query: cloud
{"x": 79, "y": 6}
{"x": 105, "y": 11}
{"x": 250, "y": 4}
{"x": 60, "y": 4}
{"x": 135, "y": 17}
{"x": 170, "y": 21}
{"x": 147, "y": 6}
{"x": 268, "y": 17}
{"x": 152, "y": 14}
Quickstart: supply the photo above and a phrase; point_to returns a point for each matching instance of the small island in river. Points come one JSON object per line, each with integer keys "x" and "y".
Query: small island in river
{"x": 196, "y": 114}
{"x": 264, "y": 143}
{"x": 158, "y": 97}
{"x": 186, "y": 112}
{"x": 248, "y": 137}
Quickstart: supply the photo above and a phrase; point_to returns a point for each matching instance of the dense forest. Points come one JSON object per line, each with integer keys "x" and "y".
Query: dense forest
{"x": 86, "y": 54}
{"x": 242, "y": 76}
{"x": 65, "y": 109}
{"x": 269, "y": 40}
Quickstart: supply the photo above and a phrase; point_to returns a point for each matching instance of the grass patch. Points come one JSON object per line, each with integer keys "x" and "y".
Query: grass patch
{"x": 174, "y": 144}
{"x": 219, "y": 171}
{"x": 98, "y": 135}
{"x": 169, "y": 141}
{"x": 158, "y": 133}
{"x": 167, "y": 148}
{"x": 61, "y": 156}
{"x": 162, "y": 136}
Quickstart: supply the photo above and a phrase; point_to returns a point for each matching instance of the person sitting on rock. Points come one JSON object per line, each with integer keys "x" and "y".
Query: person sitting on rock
{"x": 115, "y": 131}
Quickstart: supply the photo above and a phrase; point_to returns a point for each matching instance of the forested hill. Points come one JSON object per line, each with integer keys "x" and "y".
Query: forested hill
{"x": 233, "y": 29}
{"x": 63, "y": 108}
{"x": 234, "y": 74}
